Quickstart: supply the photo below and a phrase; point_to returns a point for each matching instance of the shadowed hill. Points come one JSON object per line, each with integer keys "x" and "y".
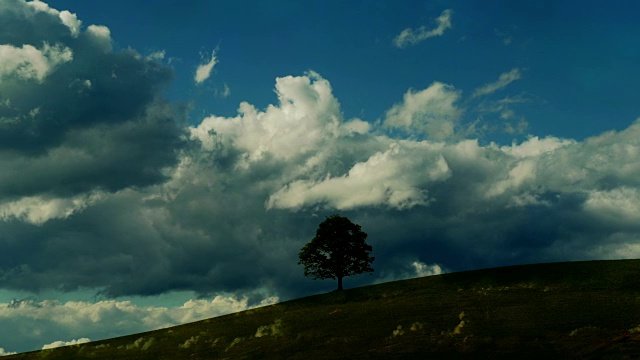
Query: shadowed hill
{"x": 587, "y": 310}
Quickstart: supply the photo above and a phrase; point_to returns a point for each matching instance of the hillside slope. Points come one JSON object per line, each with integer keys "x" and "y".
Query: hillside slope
{"x": 570, "y": 310}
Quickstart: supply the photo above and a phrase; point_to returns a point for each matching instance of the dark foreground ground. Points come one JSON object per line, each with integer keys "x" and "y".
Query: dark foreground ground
{"x": 585, "y": 310}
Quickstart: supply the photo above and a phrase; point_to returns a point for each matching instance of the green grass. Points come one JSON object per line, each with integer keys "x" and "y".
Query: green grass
{"x": 581, "y": 310}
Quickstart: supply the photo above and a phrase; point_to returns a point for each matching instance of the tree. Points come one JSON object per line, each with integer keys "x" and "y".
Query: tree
{"x": 338, "y": 250}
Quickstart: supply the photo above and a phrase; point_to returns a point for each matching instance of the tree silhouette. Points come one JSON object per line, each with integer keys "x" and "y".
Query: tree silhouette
{"x": 338, "y": 250}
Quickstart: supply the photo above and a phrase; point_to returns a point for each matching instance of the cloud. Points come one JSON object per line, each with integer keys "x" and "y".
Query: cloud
{"x": 409, "y": 36}
{"x": 67, "y": 18}
{"x": 204, "y": 70}
{"x": 307, "y": 116}
{"x": 504, "y": 80}
{"x": 505, "y": 37}
{"x": 431, "y": 112}
{"x": 71, "y": 21}
{"x": 409, "y": 270}
{"x": 38, "y": 210}
{"x": 104, "y": 319}
{"x": 79, "y": 126}
{"x": 101, "y": 38}
{"x": 503, "y": 109}
{"x": 224, "y": 93}
{"x": 28, "y": 62}
{"x": 386, "y": 178}
{"x": 59, "y": 343}
{"x": 3, "y": 352}
{"x": 620, "y": 205}
{"x": 105, "y": 188}
{"x": 252, "y": 188}
{"x": 423, "y": 269}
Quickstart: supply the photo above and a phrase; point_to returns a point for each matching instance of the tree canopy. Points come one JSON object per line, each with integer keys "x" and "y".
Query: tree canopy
{"x": 337, "y": 250}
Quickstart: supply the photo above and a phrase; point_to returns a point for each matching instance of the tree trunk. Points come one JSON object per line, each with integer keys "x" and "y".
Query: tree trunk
{"x": 340, "y": 283}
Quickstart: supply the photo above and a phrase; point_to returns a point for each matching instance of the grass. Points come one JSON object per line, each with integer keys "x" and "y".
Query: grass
{"x": 587, "y": 310}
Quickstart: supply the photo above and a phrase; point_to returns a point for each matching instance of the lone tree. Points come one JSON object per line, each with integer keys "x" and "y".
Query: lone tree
{"x": 338, "y": 250}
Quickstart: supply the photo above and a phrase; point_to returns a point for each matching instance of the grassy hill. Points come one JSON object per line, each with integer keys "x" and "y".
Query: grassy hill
{"x": 587, "y": 310}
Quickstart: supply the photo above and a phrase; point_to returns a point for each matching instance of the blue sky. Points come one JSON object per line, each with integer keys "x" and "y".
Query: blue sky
{"x": 165, "y": 163}
{"x": 576, "y": 59}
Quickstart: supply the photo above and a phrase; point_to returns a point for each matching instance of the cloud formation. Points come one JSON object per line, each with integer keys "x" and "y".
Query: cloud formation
{"x": 408, "y": 270}
{"x": 86, "y": 129}
{"x": 431, "y": 112}
{"x": 104, "y": 187}
{"x": 48, "y": 321}
{"x": 60, "y": 343}
{"x": 504, "y": 80}
{"x": 28, "y": 62}
{"x": 409, "y": 36}
{"x": 204, "y": 70}
{"x": 3, "y": 352}
{"x": 386, "y": 178}
{"x": 67, "y": 18}
{"x": 252, "y": 189}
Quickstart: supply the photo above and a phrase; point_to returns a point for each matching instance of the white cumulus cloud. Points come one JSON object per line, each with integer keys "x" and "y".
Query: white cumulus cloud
{"x": 386, "y": 178}
{"x": 69, "y": 19}
{"x": 423, "y": 269}
{"x": 620, "y": 206}
{"x": 101, "y": 36}
{"x": 60, "y": 343}
{"x": 534, "y": 146}
{"x": 307, "y": 115}
{"x": 28, "y": 62}
{"x": 3, "y": 352}
{"x": 108, "y": 318}
{"x": 410, "y": 270}
{"x": 431, "y": 111}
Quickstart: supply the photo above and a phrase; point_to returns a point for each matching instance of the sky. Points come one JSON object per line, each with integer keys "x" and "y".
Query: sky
{"x": 165, "y": 163}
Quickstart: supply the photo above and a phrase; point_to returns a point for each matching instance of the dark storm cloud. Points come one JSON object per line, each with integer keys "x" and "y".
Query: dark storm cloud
{"x": 76, "y": 116}
{"x": 34, "y": 26}
{"x": 201, "y": 239}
